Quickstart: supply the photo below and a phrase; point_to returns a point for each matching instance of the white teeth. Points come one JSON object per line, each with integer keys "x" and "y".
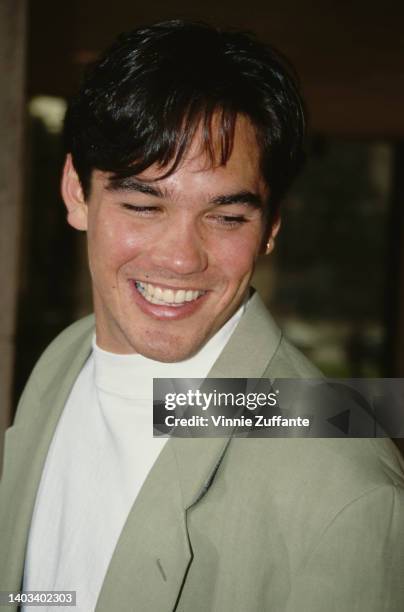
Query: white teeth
{"x": 180, "y": 296}
{"x": 157, "y": 295}
{"x": 168, "y": 296}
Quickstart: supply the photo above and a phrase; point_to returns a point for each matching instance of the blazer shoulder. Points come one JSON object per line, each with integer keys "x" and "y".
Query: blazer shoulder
{"x": 320, "y": 477}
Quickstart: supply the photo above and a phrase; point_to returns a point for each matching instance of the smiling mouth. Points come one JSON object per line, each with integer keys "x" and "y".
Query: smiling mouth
{"x": 167, "y": 297}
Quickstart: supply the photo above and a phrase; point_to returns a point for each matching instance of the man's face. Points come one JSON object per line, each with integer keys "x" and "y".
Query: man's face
{"x": 171, "y": 259}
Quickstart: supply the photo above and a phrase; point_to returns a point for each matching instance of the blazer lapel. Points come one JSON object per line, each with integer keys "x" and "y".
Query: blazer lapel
{"x": 251, "y": 347}
{"x": 248, "y": 354}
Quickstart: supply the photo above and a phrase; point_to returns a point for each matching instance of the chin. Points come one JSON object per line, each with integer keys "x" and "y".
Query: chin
{"x": 170, "y": 350}
{"x": 168, "y": 356}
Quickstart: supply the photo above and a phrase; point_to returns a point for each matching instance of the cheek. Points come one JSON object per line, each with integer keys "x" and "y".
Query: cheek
{"x": 113, "y": 242}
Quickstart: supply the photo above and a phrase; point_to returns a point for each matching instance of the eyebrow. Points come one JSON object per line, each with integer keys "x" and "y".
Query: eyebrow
{"x": 129, "y": 184}
{"x": 240, "y": 197}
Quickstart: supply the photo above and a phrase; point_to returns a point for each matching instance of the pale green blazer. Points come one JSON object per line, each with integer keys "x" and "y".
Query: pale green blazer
{"x": 250, "y": 525}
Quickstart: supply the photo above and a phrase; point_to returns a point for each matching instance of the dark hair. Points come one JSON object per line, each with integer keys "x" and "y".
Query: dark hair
{"x": 143, "y": 100}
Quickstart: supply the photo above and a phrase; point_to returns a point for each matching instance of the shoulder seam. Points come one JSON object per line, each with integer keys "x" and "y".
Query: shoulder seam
{"x": 390, "y": 486}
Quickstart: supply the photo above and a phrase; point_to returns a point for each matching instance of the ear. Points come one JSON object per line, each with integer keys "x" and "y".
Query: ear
{"x": 73, "y": 197}
{"x": 270, "y": 244}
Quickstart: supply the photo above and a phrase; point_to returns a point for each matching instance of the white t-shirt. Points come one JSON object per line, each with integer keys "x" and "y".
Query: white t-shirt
{"x": 99, "y": 458}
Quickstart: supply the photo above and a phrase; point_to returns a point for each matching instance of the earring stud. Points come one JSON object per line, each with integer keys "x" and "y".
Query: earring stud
{"x": 270, "y": 246}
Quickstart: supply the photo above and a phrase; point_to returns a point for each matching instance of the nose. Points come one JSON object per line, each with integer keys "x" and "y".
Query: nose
{"x": 181, "y": 249}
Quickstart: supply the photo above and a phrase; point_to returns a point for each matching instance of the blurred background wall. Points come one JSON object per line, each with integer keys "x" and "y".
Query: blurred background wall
{"x": 336, "y": 282}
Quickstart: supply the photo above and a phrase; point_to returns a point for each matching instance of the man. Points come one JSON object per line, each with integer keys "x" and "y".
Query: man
{"x": 180, "y": 145}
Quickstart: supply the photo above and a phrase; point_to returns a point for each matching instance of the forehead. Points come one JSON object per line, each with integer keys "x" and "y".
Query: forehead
{"x": 201, "y": 169}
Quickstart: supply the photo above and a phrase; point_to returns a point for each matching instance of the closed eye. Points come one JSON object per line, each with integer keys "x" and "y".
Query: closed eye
{"x": 143, "y": 210}
{"x": 230, "y": 220}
